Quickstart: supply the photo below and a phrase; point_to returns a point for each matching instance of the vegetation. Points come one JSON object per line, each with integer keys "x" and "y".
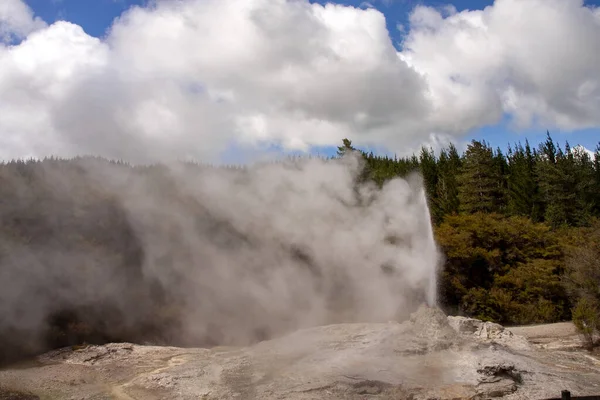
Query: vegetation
{"x": 504, "y": 269}
{"x": 519, "y": 231}
{"x": 582, "y": 281}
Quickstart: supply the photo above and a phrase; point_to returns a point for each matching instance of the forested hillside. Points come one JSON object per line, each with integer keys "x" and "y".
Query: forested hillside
{"x": 518, "y": 230}
{"x": 509, "y": 223}
{"x": 557, "y": 185}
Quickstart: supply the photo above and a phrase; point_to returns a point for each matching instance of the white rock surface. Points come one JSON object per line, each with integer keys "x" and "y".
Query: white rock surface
{"x": 428, "y": 357}
{"x": 489, "y": 332}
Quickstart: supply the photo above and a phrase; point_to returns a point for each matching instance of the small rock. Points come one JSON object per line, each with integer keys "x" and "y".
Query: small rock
{"x": 488, "y": 332}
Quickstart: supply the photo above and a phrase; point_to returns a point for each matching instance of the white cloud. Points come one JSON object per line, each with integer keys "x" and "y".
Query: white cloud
{"x": 186, "y": 78}
{"x": 17, "y": 20}
{"x": 190, "y": 78}
{"x": 535, "y": 60}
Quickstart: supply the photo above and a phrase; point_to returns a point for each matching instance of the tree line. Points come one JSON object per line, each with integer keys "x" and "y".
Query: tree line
{"x": 557, "y": 185}
{"x": 519, "y": 229}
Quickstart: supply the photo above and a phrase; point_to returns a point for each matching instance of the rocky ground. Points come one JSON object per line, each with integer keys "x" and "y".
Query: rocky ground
{"x": 431, "y": 356}
{"x": 559, "y": 336}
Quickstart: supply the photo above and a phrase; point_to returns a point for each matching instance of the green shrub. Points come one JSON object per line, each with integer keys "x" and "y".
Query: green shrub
{"x": 586, "y": 317}
{"x": 582, "y": 283}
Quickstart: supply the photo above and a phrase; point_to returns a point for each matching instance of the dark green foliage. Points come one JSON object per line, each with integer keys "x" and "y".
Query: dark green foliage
{"x": 582, "y": 281}
{"x": 482, "y": 179}
{"x": 501, "y": 269}
{"x": 523, "y": 197}
{"x": 567, "y": 184}
{"x": 596, "y": 183}
{"x": 586, "y": 317}
{"x": 446, "y": 198}
{"x": 345, "y": 148}
{"x": 429, "y": 171}
{"x": 504, "y": 222}
{"x": 549, "y": 184}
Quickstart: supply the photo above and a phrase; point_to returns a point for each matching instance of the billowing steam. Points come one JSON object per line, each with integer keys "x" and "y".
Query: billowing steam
{"x": 212, "y": 256}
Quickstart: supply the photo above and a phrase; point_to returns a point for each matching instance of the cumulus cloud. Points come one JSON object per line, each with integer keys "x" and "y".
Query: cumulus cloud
{"x": 17, "y": 20}
{"x": 534, "y": 60}
{"x": 190, "y": 78}
{"x": 187, "y": 78}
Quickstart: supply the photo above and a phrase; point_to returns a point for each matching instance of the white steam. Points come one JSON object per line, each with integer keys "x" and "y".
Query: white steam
{"x": 313, "y": 251}
{"x": 240, "y": 254}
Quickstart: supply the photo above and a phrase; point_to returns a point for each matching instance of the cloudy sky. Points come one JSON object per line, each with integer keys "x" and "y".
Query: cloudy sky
{"x": 220, "y": 79}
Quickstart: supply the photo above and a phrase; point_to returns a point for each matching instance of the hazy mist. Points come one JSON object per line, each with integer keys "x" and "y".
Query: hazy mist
{"x": 238, "y": 255}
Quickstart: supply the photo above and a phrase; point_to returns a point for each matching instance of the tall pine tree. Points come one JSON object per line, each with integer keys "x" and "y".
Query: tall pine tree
{"x": 566, "y": 180}
{"x": 446, "y": 197}
{"x": 429, "y": 171}
{"x": 481, "y": 180}
{"x": 522, "y": 187}
{"x": 596, "y": 191}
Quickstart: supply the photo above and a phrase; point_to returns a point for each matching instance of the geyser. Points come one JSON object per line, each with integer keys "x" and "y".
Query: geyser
{"x": 192, "y": 255}
{"x": 430, "y": 250}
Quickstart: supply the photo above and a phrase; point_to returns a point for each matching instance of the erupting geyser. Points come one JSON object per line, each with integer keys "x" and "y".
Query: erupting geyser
{"x": 430, "y": 251}
{"x": 220, "y": 256}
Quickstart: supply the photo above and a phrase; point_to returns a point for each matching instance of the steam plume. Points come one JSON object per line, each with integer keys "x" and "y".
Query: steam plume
{"x": 212, "y": 256}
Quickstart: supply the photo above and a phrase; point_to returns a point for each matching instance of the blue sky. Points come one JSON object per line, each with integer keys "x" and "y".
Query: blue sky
{"x": 96, "y": 16}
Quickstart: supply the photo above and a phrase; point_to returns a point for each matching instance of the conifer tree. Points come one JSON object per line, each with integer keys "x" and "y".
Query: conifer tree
{"x": 345, "y": 147}
{"x": 583, "y": 177}
{"x": 446, "y": 195}
{"x": 548, "y": 177}
{"x": 596, "y": 191}
{"x": 501, "y": 169}
{"x": 566, "y": 180}
{"x": 522, "y": 188}
{"x": 479, "y": 188}
{"x": 429, "y": 171}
